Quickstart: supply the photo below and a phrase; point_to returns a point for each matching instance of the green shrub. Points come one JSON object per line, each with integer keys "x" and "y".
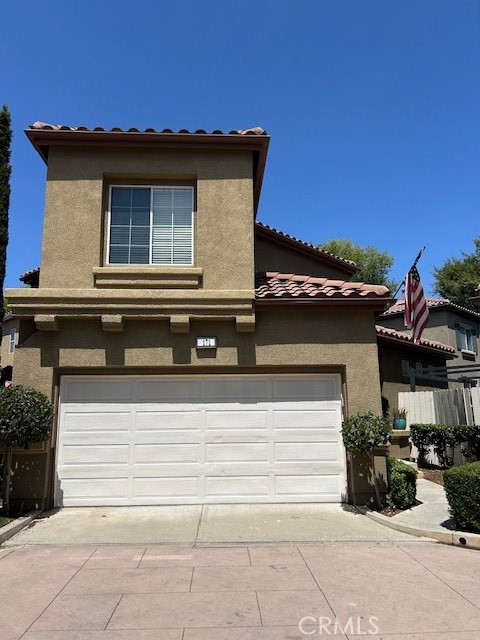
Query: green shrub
{"x": 441, "y": 437}
{"x": 25, "y": 416}
{"x": 462, "y": 485}
{"x": 402, "y": 484}
{"x": 363, "y": 432}
{"x": 444, "y": 438}
{"x": 468, "y": 436}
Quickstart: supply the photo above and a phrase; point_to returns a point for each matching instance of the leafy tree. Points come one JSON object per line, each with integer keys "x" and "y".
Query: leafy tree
{"x": 374, "y": 265}
{"x": 458, "y": 278}
{"x": 5, "y": 171}
{"x": 25, "y": 418}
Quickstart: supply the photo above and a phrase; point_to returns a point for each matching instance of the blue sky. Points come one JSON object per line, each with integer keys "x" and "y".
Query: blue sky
{"x": 373, "y": 106}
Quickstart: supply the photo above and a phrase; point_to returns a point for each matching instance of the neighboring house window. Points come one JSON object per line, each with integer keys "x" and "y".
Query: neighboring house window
{"x": 151, "y": 225}
{"x": 466, "y": 338}
{"x": 11, "y": 343}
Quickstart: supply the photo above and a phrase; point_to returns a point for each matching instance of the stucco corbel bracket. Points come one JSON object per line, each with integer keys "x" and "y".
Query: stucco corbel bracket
{"x": 46, "y": 322}
{"x": 112, "y": 323}
{"x": 245, "y": 324}
{"x": 180, "y": 324}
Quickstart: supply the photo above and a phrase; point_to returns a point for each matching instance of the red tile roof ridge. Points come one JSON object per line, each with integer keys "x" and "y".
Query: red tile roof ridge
{"x": 252, "y": 131}
{"x": 404, "y": 337}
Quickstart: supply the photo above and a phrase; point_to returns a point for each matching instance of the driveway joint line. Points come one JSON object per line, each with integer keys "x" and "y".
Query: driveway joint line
{"x": 200, "y": 518}
{"x": 53, "y": 599}
{"x": 318, "y": 586}
{"x": 439, "y": 578}
{"x": 259, "y": 610}
{"x": 191, "y": 580}
{"x": 143, "y": 555}
{"x": 116, "y": 606}
{"x": 249, "y": 556}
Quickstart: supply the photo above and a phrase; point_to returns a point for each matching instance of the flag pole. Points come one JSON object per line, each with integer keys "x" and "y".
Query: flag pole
{"x": 413, "y": 265}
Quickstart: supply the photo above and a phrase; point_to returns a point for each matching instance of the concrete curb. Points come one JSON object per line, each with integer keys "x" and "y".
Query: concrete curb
{"x": 17, "y": 525}
{"x": 457, "y": 538}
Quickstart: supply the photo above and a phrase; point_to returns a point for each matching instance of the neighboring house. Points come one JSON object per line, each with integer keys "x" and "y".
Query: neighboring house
{"x": 10, "y": 326}
{"x": 449, "y": 324}
{"x": 193, "y": 356}
{"x": 397, "y": 353}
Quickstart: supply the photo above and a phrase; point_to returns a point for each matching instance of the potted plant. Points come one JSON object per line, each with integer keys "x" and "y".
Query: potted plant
{"x": 400, "y": 419}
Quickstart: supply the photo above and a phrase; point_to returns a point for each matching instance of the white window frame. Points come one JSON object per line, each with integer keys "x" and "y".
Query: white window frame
{"x": 151, "y": 187}
{"x": 12, "y": 343}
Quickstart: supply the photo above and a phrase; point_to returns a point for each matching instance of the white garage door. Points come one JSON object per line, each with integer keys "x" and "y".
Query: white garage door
{"x": 199, "y": 439}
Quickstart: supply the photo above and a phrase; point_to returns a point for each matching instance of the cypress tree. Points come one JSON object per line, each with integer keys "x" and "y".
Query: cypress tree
{"x": 5, "y": 171}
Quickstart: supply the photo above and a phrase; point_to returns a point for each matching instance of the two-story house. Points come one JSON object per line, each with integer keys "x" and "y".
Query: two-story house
{"x": 192, "y": 355}
{"x": 450, "y": 324}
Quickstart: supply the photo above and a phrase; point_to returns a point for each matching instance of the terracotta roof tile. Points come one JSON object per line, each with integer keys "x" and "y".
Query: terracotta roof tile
{"x": 269, "y": 285}
{"x": 281, "y": 234}
{"x": 386, "y": 332}
{"x": 253, "y": 131}
{"x": 432, "y": 303}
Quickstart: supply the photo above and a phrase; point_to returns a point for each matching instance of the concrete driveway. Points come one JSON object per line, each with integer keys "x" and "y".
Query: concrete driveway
{"x": 416, "y": 590}
{"x": 196, "y": 525}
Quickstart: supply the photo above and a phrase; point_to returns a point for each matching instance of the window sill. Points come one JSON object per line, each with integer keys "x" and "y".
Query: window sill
{"x": 147, "y": 277}
{"x": 467, "y": 354}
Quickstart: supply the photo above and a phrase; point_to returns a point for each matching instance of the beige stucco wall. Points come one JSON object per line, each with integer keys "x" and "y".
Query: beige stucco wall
{"x": 76, "y": 205}
{"x": 271, "y": 256}
{"x": 319, "y": 339}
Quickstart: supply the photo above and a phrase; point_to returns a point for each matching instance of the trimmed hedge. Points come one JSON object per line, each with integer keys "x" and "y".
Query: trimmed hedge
{"x": 444, "y": 438}
{"x": 402, "y": 484}
{"x": 462, "y": 486}
{"x": 363, "y": 432}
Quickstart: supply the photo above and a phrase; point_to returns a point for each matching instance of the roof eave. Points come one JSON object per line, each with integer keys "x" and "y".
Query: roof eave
{"x": 365, "y": 303}
{"x": 306, "y": 250}
{"x": 42, "y": 139}
{"x": 411, "y": 345}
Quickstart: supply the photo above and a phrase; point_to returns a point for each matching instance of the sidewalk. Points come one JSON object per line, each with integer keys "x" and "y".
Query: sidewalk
{"x": 431, "y": 519}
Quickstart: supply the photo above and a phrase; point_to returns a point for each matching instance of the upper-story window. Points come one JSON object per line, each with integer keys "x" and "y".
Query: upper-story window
{"x": 12, "y": 340}
{"x": 466, "y": 338}
{"x": 151, "y": 225}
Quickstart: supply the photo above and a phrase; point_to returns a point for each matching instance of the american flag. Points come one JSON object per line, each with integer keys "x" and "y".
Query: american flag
{"x": 416, "y": 310}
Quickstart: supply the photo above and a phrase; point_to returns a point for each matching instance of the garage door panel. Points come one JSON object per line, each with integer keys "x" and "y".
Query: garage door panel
{"x": 304, "y": 388}
{"x": 166, "y": 453}
{"x": 109, "y": 438}
{"x": 239, "y": 390}
{"x": 83, "y": 390}
{"x": 94, "y": 454}
{"x": 202, "y": 439}
{"x": 94, "y": 421}
{"x": 95, "y": 488}
{"x": 306, "y": 419}
{"x": 169, "y": 391}
{"x": 320, "y": 485}
{"x": 166, "y": 420}
{"x": 236, "y": 452}
{"x": 237, "y": 486}
{"x": 310, "y": 451}
{"x": 240, "y": 420}
{"x": 174, "y": 487}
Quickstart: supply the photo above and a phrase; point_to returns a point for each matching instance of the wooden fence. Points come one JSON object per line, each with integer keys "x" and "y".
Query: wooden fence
{"x": 446, "y": 406}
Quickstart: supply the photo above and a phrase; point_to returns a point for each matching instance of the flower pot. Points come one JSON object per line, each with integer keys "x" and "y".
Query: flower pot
{"x": 400, "y": 423}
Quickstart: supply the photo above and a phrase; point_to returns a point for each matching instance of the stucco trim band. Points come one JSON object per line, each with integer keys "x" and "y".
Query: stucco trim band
{"x": 148, "y": 277}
